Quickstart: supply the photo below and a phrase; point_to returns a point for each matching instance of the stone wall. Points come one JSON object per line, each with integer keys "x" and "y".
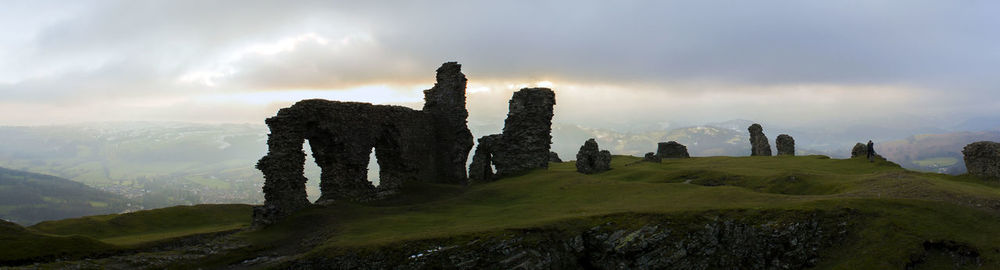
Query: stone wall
{"x": 526, "y": 139}
{"x": 409, "y": 145}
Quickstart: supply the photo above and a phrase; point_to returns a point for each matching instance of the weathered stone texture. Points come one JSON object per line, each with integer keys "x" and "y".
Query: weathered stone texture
{"x": 860, "y": 150}
{"x": 785, "y": 145}
{"x": 410, "y": 146}
{"x": 983, "y": 159}
{"x": 759, "y": 146}
{"x": 527, "y": 133}
{"x": 481, "y": 169}
{"x": 652, "y": 157}
{"x": 554, "y": 157}
{"x": 590, "y": 159}
{"x": 445, "y": 103}
{"x": 671, "y": 149}
{"x": 526, "y": 139}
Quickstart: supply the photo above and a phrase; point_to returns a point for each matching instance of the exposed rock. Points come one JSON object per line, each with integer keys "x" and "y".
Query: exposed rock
{"x": 860, "y": 150}
{"x": 785, "y": 145}
{"x": 787, "y": 240}
{"x": 759, "y": 146}
{"x": 652, "y": 157}
{"x": 591, "y": 159}
{"x": 983, "y": 159}
{"x": 671, "y": 149}
{"x": 410, "y": 145}
{"x": 481, "y": 169}
{"x": 554, "y": 157}
{"x": 526, "y": 139}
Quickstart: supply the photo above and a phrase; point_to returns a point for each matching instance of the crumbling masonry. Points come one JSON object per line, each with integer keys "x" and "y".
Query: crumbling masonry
{"x": 525, "y": 141}
{"x": 430, "y": 145}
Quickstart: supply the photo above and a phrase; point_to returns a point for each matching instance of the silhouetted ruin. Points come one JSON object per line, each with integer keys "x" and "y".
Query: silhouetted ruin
{"x": 785, "y": 145}
{"x": 983, "y": 159}
{"x": 526, "y": 139}
{"x": 481, "y": 169}
{"x": 759, "y": 146}
{"x": 671, "y": 149}
{"x": 590, "y": 159}
{"x": 410, "y": 146}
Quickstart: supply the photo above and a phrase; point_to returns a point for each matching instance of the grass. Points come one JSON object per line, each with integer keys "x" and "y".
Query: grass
{"x": 152, "y": 225}
{"x": 898, "y": 211}
{"x": 904, "y": 208}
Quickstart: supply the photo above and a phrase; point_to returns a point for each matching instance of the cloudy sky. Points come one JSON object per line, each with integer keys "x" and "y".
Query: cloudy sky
{"x": 611, "y": 64}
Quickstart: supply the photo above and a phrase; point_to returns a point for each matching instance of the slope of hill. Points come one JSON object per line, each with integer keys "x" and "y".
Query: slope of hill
{"x": 117, "y": 234}
{"x": 157, "y": 164}
{"x": 940, "y": 153}
{"x": 27, "y": 198}
{"x": 715, "y": 212}
{"x": 21, "y": 246}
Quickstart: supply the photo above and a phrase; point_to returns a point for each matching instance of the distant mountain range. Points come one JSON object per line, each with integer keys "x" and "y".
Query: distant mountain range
{"x": 27, "y": 198}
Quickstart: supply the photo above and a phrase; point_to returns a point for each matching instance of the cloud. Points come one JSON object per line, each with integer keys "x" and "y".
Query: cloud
{"x": 91, "y": 51}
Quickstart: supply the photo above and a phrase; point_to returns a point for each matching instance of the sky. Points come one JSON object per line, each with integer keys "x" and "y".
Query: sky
{"x": 612, "y": 64}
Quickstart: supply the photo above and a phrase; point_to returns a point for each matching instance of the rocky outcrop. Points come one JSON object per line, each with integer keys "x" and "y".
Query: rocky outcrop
{"x": 759, "y": 146}
{"x": 481, "y": 169}
{"x": 591, "y": 159}
{"x": 983, "y": 159}
{"x": 652, "y": 157}
{"x": 554, "y": 157}
{"x": 410, "y": 146}
{"x": 860, "y": 150}
{"x": 785, "y": 145}
{"x": 671, "y": 149}
{"x": 787, "y": 240}
{"x": 527, "y": 135}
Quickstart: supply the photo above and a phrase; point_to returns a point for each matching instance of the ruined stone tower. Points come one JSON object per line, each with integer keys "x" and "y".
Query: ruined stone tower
{"x": 525, "y": 141}
{"x": 410, "y": 146}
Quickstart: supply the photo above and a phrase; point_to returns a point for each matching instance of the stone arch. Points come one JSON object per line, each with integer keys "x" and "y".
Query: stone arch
{"x": 431, "y": 145}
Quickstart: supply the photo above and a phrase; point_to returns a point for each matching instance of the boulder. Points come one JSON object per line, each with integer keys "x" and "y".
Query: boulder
{"x": 590, "y": 159}
{"x": 671, "y": 149}
{"x": 652, "y": 157}
{"x": 860, "y": 150}
{"x": 983, "y": 159}
{"x": 785, "y": 145}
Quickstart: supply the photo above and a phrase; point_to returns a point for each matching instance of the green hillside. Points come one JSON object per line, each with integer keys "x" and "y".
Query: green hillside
{"x": 107, "y": 235}
{"x": 28, "y": 198}
{"x": 896, "y": 215}
{"x": 809, "y": 211}
{"x": 152, "y": 225}
{"x": 20, "y": 245}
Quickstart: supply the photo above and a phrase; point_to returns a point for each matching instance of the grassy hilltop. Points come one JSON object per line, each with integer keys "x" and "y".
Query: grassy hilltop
{"x": 892, "y": 218}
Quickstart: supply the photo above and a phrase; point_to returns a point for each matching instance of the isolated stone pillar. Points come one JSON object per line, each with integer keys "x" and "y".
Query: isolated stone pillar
{"x": 759, "y": 146}
{"x": 785, "y": 145}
